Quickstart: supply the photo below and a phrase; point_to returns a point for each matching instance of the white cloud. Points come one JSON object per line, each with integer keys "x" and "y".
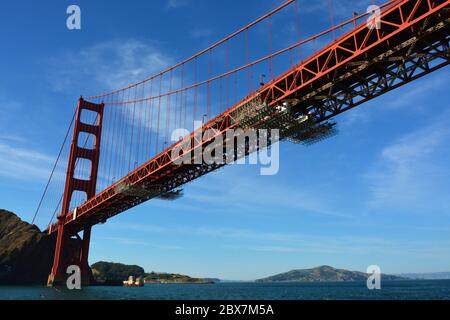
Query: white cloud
{"x": 356, "y": 116}
{"x": 8, "y": 109}
{"x": 201, "y": 32}
{"x": 132, "y": 242}
{"x": 108, "y": 65}
{"x": 342, "y": 9}
{"x": 406, "y": 176}
{"x": 23, "y": 164}
{"x": 12, "y": 138}
{"x": 221, "y": 190}
{"x": 176, "y": 4}
{"x": 112, "y": 65}
{"x": 421, "y": 91}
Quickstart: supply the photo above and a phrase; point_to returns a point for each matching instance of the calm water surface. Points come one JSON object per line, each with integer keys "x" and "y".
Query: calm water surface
{"x": 435, "y": 289}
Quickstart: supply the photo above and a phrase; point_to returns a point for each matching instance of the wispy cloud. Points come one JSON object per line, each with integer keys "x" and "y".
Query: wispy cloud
{"x": 176, "y": 4}
{"x": 348, "y": 245}
{"x": 405, "y": 175}
{"x": 133, "y": 242}
{"x": 24, "y": 164}
{"x": 12, "y": 138}
{"x": 222, "y": 190}
{"x": 421, "y": 92}
{"x": 285, "y": 242}
{"x": 357, "y": 116}
{"x": 112, "y": 65}
{"x": 208, "y": 231}
{"x": 342, "y": 9}
{"x": 109, "y": 65}
{"x": 201, "y": 32}
{"x": 8, "y": 108}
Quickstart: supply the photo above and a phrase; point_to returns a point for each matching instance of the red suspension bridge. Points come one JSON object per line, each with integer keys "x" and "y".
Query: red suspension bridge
{"x": 120, "y": 155}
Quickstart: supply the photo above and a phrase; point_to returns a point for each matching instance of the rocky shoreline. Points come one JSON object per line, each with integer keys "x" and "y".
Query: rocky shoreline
{"x": 26, "y": 258}
{"x": 26, "y": 253}
{"x": 116, "y": 273}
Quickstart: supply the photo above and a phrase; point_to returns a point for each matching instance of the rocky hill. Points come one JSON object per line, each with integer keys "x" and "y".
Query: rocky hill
{"x": 26, "y": 254}
{"x": 117, "y": 272}
{"x": 174, "y": 278}
{"x": 322, "y": 274}
{"x": 26, "y": 258}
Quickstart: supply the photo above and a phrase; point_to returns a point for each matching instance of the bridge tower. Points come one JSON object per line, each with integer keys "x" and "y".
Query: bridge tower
{"x": 71, "y": 249}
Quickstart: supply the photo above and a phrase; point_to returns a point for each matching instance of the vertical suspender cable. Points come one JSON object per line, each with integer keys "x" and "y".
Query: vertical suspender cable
{"x": 298, "y": 27}
{"x": 138, "y": 142}
{"x": 330, "y": 7}
{"x": 132, "y": 129}
{"x": 150, "y": 134}
{"x": 159, "y": 114}
{"x": 269, "y": 24}
{"x": 195, "y": 93}
{"x": 168, "y": 110}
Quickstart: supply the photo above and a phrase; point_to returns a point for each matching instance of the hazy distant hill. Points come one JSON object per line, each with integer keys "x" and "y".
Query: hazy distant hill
{"x": 26, "y": 253}
{"x": 322, "y": 274}
{"x": 427, "y": 276}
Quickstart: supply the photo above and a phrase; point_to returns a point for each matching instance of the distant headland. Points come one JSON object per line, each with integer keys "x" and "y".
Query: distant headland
{"x": 26, "y": 257}
{"x": 26, "y": 253}
{"x": 324, "y": 274}
{"x": 110, "y": 272}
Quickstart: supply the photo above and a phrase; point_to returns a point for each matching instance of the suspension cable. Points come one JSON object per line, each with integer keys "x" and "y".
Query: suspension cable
{"x": 54, "y": 168}
{"x": 231, "y": 36}
{"x": 255, "y": 62}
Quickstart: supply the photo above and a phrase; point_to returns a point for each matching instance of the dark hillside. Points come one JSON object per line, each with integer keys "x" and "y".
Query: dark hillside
{"x": 26, "y": 254}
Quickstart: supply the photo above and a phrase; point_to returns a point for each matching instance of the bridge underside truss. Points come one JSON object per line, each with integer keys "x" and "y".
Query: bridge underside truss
{"x": 368, "y": 79}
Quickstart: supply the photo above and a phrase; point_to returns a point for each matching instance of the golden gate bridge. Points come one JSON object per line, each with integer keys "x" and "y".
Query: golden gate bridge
{"x": 121, "y": 153}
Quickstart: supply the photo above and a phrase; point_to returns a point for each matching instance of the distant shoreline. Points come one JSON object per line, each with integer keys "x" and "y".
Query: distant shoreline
{"x": 112, "y": 284}
{"x": 117, "y": 284}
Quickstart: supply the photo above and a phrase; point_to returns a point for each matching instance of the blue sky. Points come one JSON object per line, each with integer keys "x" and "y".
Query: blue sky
{"x": 377, "y": 193}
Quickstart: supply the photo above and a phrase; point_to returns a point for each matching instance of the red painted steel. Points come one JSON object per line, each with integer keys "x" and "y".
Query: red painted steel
{"x": 64, "y": 253}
